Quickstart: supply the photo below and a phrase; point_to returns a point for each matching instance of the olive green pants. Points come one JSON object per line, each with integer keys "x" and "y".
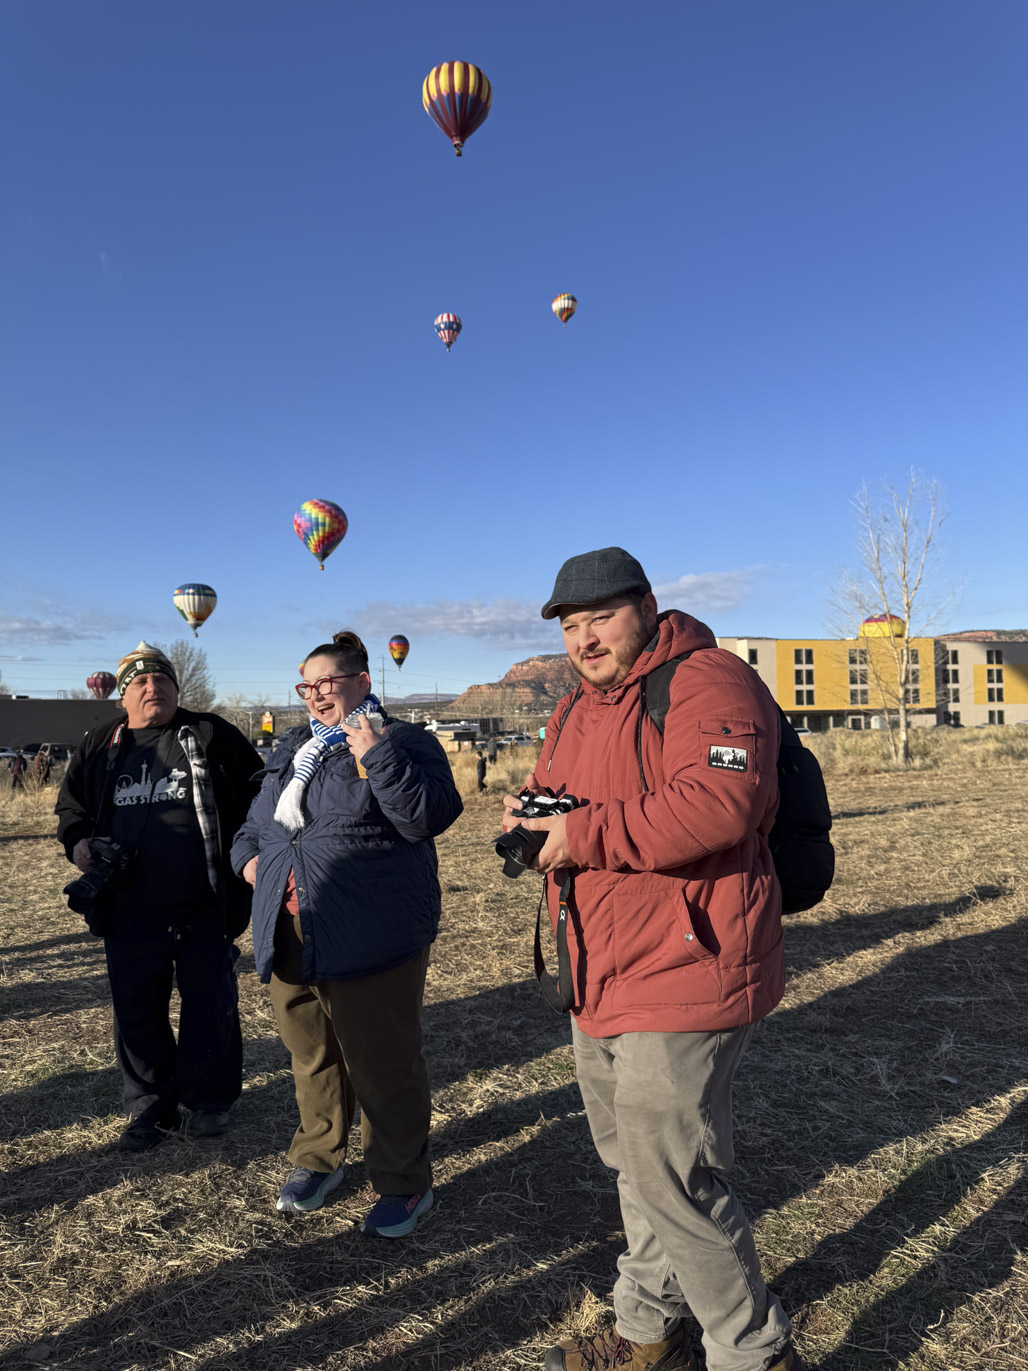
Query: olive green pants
{"x": 356, "y": 1041}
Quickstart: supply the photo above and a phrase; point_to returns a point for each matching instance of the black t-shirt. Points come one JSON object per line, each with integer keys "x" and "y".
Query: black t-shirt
{"x": 152, "y": 811}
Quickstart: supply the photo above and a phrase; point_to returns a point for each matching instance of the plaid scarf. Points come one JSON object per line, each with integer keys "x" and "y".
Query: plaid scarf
{"x": 203, "y": 800}
{"x": 326, "y": 741}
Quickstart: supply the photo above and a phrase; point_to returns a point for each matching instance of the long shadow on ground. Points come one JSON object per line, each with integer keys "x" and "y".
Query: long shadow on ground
{"x": 945, "y": 1008}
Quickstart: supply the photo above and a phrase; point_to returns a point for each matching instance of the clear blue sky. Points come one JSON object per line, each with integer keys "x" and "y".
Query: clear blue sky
{"x": 796, "y": 231}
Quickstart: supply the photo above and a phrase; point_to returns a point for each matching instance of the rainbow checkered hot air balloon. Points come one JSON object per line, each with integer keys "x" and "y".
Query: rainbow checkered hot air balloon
{"x": 563, "y": 307}
{"x": 321, "y": 526}
{"x": 100, "y": 684}
{"x": 398, "y": 649}
{"x": 195, "y": 602}
{"x": 448, "y": 326}
{"x": 458, "y": 97}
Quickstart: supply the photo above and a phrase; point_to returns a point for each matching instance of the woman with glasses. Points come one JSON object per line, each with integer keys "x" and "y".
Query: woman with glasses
{"x": 338, "y": 846}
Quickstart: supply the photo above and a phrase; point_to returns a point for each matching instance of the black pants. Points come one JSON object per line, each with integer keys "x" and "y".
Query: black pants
{"x": 204, "y": 1069}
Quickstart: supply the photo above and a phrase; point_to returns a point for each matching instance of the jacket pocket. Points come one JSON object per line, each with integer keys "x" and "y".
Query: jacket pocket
{"x": 728, "y": 747}
{"x": 660, "y": 957}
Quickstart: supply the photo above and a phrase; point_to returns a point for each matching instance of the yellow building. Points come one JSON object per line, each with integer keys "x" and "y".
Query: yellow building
{"x": 963, "y": 679}
{"x": 824, "y": 683}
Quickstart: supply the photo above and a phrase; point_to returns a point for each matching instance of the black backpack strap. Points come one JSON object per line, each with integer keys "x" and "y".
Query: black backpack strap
{"x": 562, "y": 721}
{"x": 655, "y": 700}
{"x": 559, "y": 992}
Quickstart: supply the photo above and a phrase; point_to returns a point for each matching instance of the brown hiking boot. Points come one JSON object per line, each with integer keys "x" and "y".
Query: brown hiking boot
{"x": 790, "y": 1360}
{"x": 608, "y": 1349}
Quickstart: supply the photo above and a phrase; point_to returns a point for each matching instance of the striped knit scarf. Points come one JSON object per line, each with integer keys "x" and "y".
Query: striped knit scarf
{"x": 326, "y": 741}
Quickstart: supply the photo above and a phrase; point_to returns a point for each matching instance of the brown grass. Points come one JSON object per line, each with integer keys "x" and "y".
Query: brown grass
{"x": 881, "y": 1133}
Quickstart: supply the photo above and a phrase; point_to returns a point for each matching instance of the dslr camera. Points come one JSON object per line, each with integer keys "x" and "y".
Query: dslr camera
{"x": 112, "y": 863}
{"x": 520, "y": 845}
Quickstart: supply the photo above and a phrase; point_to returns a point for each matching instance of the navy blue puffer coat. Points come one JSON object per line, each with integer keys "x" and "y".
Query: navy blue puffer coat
{"x": 366, "y": 874}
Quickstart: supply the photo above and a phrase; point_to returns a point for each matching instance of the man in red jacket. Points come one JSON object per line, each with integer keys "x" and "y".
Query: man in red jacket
{"x": 674, "y": 945}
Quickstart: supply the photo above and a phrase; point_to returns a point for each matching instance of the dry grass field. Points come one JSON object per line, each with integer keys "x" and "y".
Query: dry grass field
{"x": 881, "y": 1143}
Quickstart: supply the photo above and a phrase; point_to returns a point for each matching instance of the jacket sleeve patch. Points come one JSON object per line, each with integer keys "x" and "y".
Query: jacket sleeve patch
{"x": 727, "y": 758}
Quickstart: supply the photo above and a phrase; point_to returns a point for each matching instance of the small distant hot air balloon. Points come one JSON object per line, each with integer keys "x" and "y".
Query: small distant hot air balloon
{"x": 458, "y": 96}
{"x": 448, "y": 326}
{"x": 321, "y": 526}
{"x": 883, "y": 626}
{"x": 398, "y": 649}
{"x": 563, "y": 307}
{"x": 100, "y": 684}
{"x": 195, "y": 602}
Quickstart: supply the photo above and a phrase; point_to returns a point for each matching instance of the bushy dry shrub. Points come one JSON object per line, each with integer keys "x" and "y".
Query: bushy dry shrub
{"x": 843, "y": 752}
{"x": 505, "y": 776}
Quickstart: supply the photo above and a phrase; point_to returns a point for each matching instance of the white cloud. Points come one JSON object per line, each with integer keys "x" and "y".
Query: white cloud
{"x": 504, "y": 623}
{"x": 699, "y": 591}
{"x": 515, "y": 623}
{"x": 22, "y": 628}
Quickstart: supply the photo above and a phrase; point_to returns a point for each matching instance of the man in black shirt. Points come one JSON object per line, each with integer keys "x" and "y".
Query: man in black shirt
{"x": 170, "y": 787}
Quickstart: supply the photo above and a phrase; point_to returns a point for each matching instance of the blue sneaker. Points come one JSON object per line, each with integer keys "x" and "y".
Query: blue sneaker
{"x": 306, "y": 1189}
{"x": 396, "y": 1215}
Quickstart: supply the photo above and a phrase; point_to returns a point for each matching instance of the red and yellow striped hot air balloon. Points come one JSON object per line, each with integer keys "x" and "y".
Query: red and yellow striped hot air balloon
{"x": 563, "y": 307}
{"x": 458, "y": 96}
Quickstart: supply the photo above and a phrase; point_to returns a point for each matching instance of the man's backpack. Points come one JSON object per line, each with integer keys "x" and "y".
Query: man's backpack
{"x": 800, "y": 846}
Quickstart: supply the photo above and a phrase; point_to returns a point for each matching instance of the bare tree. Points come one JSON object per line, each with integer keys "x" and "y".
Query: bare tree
{"x": 195, "y": 684}
{"x": 897, "y": 544}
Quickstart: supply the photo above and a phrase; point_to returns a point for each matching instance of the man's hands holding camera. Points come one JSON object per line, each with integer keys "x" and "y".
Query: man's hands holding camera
{"x": 545, "y": 817}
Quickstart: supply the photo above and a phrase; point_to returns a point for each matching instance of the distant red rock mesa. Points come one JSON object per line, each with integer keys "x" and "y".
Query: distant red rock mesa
{"x": 534, "y": 685}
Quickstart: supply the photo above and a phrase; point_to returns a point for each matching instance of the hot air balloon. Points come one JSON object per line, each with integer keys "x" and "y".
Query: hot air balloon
{"x": 100, "y": 684}
{"x": 195, "y": 602}
{"x": 398, "y": 649}
{"x": 321, "y": 526}
{"x": 458, "y": 97}
{"x": 883, "y": 626}
{"x": 448, "y": 326}
{"x": 563, "y": 307}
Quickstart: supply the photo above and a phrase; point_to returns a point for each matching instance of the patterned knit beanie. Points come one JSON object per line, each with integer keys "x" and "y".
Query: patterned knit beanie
{"x": 143, "y": 659}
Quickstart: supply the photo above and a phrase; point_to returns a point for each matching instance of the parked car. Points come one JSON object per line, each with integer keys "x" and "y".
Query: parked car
{"x": 801, "y": 729}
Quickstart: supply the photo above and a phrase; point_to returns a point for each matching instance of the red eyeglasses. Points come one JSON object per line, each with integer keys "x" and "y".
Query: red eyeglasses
{"x": 323, "y": 685}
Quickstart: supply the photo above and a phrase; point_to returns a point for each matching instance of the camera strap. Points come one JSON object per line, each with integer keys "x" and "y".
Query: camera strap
{"x": 559, "y": 991}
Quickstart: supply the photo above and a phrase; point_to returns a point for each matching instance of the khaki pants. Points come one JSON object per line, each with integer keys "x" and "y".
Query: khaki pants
{"x": 356, "y": 1040}
{"x": 660, "y": 1109}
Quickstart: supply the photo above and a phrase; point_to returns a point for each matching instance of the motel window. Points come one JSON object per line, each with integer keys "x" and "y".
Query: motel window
{"x": 753, "y": 656}
{"x": 954, "y": 696}
{"x": 994, "y": 656}
{"x": 858, "y": 697}
{"x": 954, "y": 657}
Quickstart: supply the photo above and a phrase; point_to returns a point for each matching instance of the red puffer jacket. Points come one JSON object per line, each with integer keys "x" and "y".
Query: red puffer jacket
{"x": 675, "y": 917}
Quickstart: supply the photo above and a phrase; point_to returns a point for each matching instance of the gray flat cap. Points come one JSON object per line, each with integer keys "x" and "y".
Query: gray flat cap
{"x": 594, "y": 576}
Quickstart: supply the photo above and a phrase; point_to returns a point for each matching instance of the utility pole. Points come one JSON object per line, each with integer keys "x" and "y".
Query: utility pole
{"x": 383, "y": 695}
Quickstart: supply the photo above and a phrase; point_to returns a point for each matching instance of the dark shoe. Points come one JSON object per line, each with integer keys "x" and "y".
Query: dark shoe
{"x": 393, "y": 1216}
{"x": 140, "y": 1136}
{"x": 306, "y": 1189}
{"x": 608, "y": 1349}
{"x": 788, "y": 1360}
{"x": 206, "y": 1123}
